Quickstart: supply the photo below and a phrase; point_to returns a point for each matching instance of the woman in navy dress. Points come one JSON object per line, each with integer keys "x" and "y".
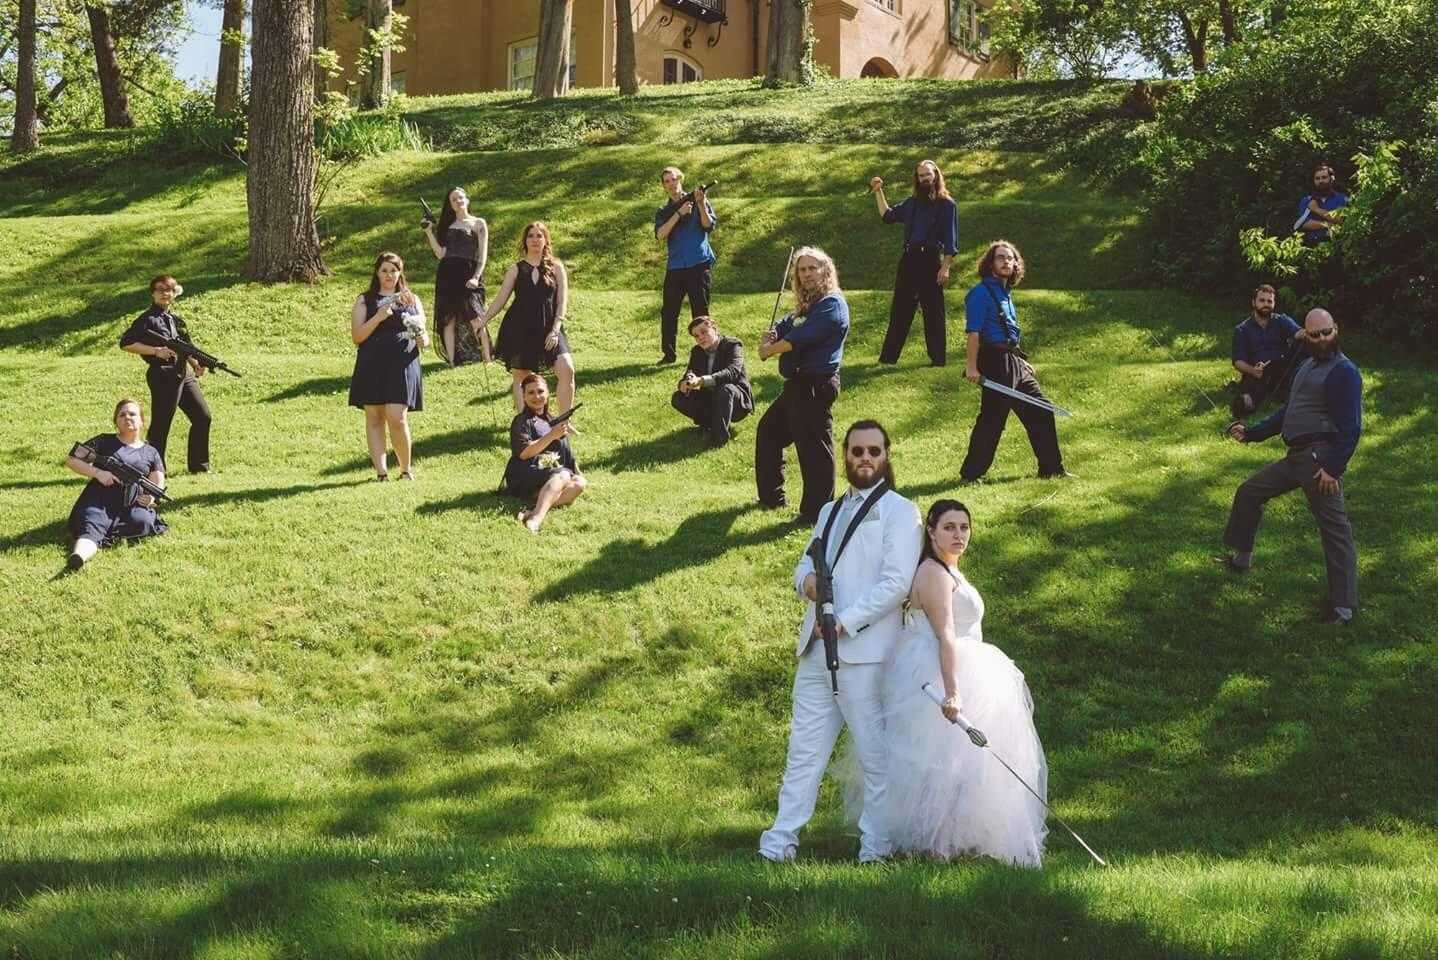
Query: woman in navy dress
{"x": 108, "y": 510}
{"x": 387, "y": 325}
{"x": 531, "y": 338}
{"x": 462, "y": 245}
{"x": 541, "y": 467}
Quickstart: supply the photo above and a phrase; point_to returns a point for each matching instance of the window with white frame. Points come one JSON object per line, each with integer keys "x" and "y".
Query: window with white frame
{"x": 967, "y": 28}
{"x": 680, "y": 69}
{"x": 523, "y": 57}
{"x": 890, "y": 5}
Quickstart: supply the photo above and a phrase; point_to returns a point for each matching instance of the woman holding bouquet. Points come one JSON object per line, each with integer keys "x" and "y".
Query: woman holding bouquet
{"x": 387, "y": 324}
{"x": 541, "y": 467}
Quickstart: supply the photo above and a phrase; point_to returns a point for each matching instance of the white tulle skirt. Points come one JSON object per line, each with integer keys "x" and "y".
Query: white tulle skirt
{"x": 945, "y": 797}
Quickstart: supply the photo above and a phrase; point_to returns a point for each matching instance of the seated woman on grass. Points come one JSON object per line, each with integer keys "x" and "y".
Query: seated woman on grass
{"x": 110, "y": 510}
{"x": 541, "y": 467}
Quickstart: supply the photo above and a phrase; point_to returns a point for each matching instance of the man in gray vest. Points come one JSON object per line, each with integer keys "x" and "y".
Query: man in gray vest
{"x": 1321, "y": 424}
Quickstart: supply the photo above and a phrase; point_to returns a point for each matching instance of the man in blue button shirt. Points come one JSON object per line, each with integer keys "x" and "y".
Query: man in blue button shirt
{"x": 1264, "y": 346}
{"x": 685, "y": 228}
{"x": 931, "y": 236}
{"x": 992, "y": 326}
{"x": 810, "y": 347}
{"x": 1321, "y": 424}
{"x": 1317, "y": 212}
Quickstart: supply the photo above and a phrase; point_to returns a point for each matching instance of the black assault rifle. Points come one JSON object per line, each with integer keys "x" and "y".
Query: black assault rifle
{"x": 122, "y": 470}
{"x": 824, "y": 609}
{"x": 189, "y": 351}
{"x": 673, "y": 205}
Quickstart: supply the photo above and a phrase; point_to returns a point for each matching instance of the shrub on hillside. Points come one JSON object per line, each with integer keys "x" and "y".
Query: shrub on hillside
{"x": 1351, "y": 83}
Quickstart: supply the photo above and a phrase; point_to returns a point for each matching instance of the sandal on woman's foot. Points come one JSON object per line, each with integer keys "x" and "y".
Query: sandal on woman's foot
{"x": 381, "y": 477}
{"x": 406, "y": 475}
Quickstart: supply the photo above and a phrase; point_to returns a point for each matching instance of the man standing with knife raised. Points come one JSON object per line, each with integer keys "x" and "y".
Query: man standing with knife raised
{"x": 992, "y": 325}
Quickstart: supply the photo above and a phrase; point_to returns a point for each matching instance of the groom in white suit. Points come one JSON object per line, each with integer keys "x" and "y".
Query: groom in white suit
{"x": 873, "y": 564}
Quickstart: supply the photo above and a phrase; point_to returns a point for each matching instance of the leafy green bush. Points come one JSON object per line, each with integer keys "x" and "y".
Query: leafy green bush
{"x": 1234, "y": 150}
{"x": 186, "y": 128}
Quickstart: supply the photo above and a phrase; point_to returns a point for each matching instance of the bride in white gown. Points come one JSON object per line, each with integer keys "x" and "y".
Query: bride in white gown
{"x": 945, "y": 797}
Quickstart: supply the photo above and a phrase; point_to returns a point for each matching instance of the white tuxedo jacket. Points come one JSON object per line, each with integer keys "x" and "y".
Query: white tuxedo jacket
{"x": 871, "y": 579}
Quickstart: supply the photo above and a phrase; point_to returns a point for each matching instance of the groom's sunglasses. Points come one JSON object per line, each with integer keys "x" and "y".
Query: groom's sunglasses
{"x": 874, "y": 452}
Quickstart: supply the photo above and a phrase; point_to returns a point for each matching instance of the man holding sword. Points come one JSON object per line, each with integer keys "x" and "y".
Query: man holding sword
{"x": 994, "y": 360}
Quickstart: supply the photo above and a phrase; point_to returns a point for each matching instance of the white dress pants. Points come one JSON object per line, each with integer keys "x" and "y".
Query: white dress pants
{"x": 818, "y": 718}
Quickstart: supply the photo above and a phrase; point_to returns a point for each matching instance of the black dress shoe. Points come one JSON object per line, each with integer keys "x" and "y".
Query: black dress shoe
{"x": 665, "y": 360}
{"x": 1059, "y": 474}
{"x": 202, "y": 468}
{"x": 74, "y": 562}
{"x": 1228, "y": 563}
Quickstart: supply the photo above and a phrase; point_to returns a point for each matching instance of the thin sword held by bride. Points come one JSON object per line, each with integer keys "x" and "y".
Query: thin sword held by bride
{"x": 976, "y": 736}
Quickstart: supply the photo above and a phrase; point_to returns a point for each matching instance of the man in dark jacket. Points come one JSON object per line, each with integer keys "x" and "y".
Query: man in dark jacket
{"x": 1320, "y": 424}
{"x": 714, "y": 391}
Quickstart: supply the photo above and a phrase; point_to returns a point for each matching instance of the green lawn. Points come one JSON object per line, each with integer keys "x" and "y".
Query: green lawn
{"x": 327, "y": 718}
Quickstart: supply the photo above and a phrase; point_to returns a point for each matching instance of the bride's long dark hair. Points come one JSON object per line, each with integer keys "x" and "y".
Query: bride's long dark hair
{"x": 936, "y": 513}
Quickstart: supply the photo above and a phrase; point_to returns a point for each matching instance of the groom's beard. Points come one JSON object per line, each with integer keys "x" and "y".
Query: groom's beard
{"x": 859, "y": 482}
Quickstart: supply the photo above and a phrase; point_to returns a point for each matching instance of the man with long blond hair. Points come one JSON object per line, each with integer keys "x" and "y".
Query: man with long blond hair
{"x": 931, "y": 236}
{"x": 810, "y": 345}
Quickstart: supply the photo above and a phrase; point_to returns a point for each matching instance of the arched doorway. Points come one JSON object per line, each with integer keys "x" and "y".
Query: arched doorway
{"x": 878, "y": 67}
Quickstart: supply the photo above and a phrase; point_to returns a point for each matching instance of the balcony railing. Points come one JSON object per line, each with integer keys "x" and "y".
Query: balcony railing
{"x": 705, "y": 11}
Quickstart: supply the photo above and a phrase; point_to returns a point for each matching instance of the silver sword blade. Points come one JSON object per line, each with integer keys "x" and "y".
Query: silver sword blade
{"x": 982, "y": 742}
{"x": 1053, "y": 408}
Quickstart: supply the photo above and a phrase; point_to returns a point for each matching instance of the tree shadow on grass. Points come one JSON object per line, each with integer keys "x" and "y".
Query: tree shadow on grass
{"x": 679, "y": 444}
{"x": 625, "y": 564}
{"x": 473, "y": 439}
{"x": 315, "y": 387}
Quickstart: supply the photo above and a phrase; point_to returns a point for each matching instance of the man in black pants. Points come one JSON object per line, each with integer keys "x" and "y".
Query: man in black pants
{"x": 992, "y": 325}
{"x": 172, "y": 380}
{"x": 714, "y": 391}
{"x": 810, "y": 346}
{"x": 931, "y": 236}
{"x": 685, "y": 229}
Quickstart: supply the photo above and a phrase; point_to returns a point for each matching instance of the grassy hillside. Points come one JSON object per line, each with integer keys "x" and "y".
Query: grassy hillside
{"x": 326, "y": 718}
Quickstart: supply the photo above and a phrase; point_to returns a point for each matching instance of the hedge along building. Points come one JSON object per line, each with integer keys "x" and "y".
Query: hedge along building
{"x": 461, "y": 46}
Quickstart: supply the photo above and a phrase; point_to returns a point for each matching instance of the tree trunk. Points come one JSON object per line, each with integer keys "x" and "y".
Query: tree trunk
{"x": 322, "y": 39}
{"x": 280, "y": 177}
{"x": 1196, "y": 38}
{"x": 786, "y": 44}
{"x": 376, "y": 86}
{"x": 551, "y": 66}
{"x": 1229, "y": 18}
{"x": 771, "y": 52}
{"x": 107, "y": 66}
{"x": 232, "y": 55}
{"x": 626, "y": 74}
{"x": 26, "y": 135}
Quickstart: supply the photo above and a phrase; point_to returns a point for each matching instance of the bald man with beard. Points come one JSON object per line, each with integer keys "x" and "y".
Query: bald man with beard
{"x": 1321, "y": 424}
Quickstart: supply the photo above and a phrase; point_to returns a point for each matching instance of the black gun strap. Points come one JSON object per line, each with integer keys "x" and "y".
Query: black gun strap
{"x": 873, "y": 498}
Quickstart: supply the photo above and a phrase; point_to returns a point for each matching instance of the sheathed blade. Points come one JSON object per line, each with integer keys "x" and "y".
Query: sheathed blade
{"x": 1053, "y": 408}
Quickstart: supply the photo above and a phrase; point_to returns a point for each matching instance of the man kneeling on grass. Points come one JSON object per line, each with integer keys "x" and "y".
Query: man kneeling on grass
{"x": 714, "y": 391}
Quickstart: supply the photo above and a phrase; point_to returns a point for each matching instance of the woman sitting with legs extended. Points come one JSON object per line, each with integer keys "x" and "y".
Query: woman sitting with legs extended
{"x": 110, "y": 510}
{"x": 541, "y": 467}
